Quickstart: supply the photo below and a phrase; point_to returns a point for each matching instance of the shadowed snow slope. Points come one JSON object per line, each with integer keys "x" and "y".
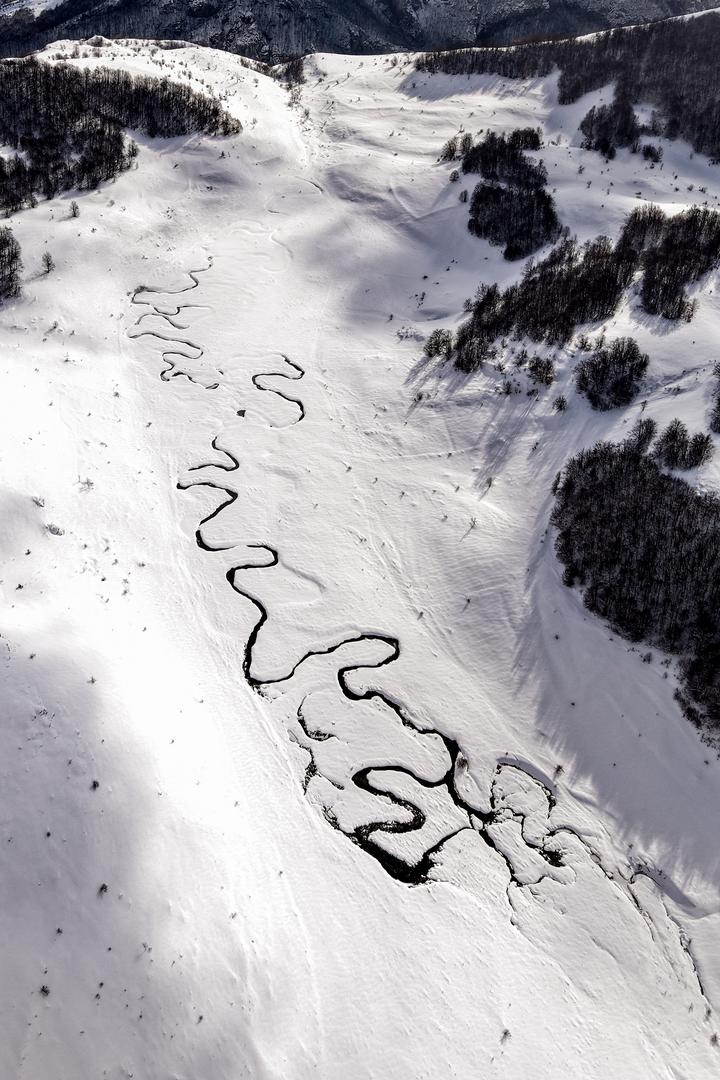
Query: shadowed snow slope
{"x": 339, "y": 781}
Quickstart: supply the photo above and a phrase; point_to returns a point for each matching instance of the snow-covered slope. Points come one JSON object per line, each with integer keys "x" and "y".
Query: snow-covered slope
{"x": 193, "y": 699}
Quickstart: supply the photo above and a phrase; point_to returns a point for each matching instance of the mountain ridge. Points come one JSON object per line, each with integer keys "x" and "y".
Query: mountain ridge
{"x": 273, "y": 32}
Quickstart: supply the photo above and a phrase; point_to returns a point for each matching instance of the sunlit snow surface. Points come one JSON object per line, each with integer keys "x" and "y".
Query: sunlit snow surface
{"x": 9, "y": 7}
{"x": 222, "y": 328}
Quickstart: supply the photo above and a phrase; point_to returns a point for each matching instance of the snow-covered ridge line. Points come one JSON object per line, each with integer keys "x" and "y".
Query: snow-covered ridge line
{"x": 596, "y": 35}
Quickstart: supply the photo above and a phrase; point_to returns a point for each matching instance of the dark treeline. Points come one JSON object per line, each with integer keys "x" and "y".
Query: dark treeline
{"x": 512, "y": 208}
{"x": 572, "y": 285}
{"x": 577, "y": 284}
{"x": 670, "y": 65}
{"x": 643, "y": 545}
{"x": 612, "y": 375}
{"x": 715, "y": 413}
{"x": 606, "y": 128}
{"x": 502, "y": 158}
{"x": 292, "y": 72}
{"x": 683, "y": 249}
{"x": 10, "y": 264}
{"x": 67, "y": 124}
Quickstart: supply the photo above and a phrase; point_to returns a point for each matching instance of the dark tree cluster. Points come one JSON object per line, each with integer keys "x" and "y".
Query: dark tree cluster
{"x": 652, "y": 153}
{"x": 687, "y": 248}
{"x": 675, "y": 448}
{"x": 573, "y": 285}
{"x": 612, "y": 375}
{"x": 455, "y": 145}
{"x": 438, "y": 345}
{"x": 541, "y": 370}
{"x": 607, "y": 127}
{"x": 67, "y": 125}
{"x": 671, "y": 66}
{"x": 502, "y": 158}
{"x": 91, "y": 151}
{"x": 535, "y": 61}
{"x": 521, "y": 219}
{"x": 643, "y": 546}
{"x": 577, "y": 284}
{"x": 292, "y": 72}
{"x": 10, "y": 264}
{"x": 511, "y": 208}
{"x": 715, "y": 413}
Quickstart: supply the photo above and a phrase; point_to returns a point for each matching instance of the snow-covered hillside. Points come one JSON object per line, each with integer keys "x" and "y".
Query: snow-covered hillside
{"x": 259, "y": 564}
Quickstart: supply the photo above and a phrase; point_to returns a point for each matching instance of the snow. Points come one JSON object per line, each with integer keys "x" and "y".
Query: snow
{"x": 240, "y": 934}
{"x": 9, "y": 7}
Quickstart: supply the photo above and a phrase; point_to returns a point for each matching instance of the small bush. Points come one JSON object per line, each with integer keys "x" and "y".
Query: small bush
{"x": 652, "y": 153}
{"x": 642, "y": 435}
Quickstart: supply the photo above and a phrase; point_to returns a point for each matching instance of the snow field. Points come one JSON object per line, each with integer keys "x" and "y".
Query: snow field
{"x": 245, "y": 935}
